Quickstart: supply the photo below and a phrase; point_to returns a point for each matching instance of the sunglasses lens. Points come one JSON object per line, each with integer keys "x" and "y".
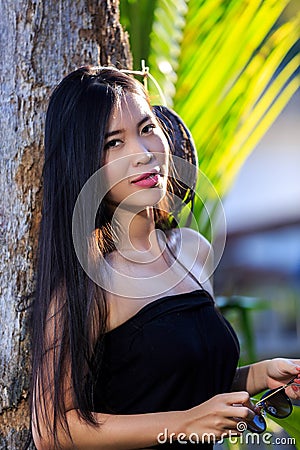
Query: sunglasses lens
{"x": 257, "y": 425}
{"x": 279, "y": 405}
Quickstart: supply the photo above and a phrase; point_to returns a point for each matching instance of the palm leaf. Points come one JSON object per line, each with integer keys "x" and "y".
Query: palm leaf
{"x": 137, "y": 18}
{"x": 223, "y": 57}
{"x": 220, "y": 65}
{"x": 165, "y": 44}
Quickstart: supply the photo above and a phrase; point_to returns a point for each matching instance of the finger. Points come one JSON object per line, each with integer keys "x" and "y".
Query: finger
{"x": 241, "y": 412}
{"x": 293, "y": 368}
{"x": 283, "y": 368}
{"x": 250, "y": 405}
{"x": 235, "y": 398}
{"x": 293, "y": 392}
{"x": 231, "y": 424}
{"x": 297, "y": 380}
{"x": 238, "y": 427}
{"x": 294, "y": 378}
{"x": 296, "y": 361}
{"x": 296, "y": 368}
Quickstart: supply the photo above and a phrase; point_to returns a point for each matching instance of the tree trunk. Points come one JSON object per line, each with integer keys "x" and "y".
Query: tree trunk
{"x": 41, "y": 41}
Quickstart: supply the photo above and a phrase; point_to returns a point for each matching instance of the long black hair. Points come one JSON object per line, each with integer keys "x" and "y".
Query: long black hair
{"x": 69, "y": 310}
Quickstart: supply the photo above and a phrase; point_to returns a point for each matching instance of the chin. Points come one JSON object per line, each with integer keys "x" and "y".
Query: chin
{"x": 143, "y": 199}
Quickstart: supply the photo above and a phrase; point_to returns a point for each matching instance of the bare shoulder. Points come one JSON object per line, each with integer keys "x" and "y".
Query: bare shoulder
{"x": 192, "y": 243}
{"x": 194, "y": 236}
{"x": 195, "y": 252}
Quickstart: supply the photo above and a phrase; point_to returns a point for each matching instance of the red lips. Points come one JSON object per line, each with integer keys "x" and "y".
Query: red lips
{"x": 143, "y": 176}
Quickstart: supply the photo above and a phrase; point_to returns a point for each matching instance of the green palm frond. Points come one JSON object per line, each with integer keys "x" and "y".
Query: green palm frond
{"x": 222, "y": 66}
{"x": 165, "y": 44}
{"x": 226, "y": 90}
{"x": 137, "y": 18}
{"x": 220, "y": 62}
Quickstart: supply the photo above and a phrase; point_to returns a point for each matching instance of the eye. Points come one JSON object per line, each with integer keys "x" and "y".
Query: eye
{"x": 147, "y": 129}
{"x": 112, "y": 144}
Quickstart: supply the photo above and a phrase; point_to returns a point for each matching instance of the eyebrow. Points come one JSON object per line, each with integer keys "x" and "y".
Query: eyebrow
{"x": 115, "y": 132}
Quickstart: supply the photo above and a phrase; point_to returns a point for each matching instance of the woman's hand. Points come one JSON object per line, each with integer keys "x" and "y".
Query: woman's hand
{"x": 218, "y": 417}
{"x": 280, "y": 371}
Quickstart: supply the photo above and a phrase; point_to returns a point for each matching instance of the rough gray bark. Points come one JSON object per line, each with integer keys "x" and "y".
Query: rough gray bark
{"x": 41, "y": 40}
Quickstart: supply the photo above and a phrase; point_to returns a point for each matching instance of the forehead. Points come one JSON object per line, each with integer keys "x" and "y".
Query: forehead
{"x": 131, "y": 109}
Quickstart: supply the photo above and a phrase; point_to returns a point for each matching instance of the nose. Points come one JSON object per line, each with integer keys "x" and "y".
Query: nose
{"x": 141, "y": 154}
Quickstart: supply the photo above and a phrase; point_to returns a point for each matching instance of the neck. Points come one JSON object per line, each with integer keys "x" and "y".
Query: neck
{"x": 136, "y": 232}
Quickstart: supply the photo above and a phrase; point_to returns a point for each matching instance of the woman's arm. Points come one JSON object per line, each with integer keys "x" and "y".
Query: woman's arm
{"x": 115, "y": 432}
{"x": 268, "y": 374}
{"x": 215, "y": 417}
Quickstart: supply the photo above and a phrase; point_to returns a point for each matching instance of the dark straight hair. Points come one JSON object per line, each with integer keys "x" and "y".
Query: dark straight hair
{"x": 69, "y": 310}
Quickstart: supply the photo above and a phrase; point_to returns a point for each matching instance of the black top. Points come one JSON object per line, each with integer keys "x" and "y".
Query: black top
{"x": 175, "y": 353}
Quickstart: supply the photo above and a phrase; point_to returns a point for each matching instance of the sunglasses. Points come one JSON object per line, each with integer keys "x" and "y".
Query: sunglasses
{"x": 274, "y": 402}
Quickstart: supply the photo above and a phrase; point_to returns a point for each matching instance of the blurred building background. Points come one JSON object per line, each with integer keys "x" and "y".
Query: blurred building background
{"x": 262, "y": 254}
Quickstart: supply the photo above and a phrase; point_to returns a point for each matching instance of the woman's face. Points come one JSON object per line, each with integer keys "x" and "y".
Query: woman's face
{"x": 136, "y": 155}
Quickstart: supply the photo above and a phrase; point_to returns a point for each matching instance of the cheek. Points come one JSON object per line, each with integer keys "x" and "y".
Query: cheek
{"x": 165, "y": 159}
{"x": 115, "y": 171}
{"x": 163, "y": 142}
{"x": 162, "y": 148}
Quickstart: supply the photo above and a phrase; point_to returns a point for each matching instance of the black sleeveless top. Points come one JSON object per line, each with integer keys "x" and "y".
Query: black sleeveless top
{"x": 174, "y": 353}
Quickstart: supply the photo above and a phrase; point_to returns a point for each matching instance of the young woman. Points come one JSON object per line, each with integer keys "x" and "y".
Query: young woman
{"x": 129, "y": 350}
